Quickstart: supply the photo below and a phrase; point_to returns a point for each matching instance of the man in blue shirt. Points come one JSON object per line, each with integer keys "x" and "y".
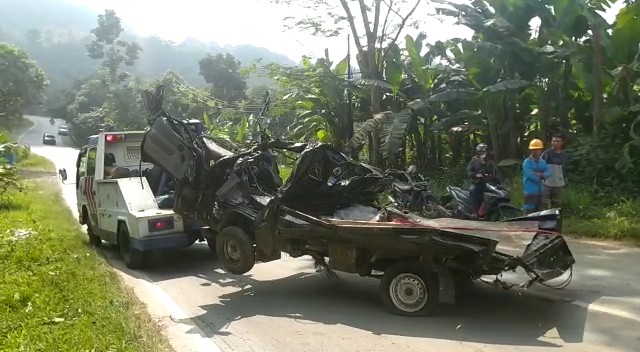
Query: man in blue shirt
{"x": 556, "y": 158}
{"x": 535, "y": 170}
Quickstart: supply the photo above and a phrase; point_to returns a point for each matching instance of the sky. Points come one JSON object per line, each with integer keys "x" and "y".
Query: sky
{"x": 255, "y": 22}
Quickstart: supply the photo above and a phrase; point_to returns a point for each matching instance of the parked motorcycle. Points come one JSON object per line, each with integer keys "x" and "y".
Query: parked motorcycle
{"x": 496, "y": 205}
{"x": 410, "y": 191}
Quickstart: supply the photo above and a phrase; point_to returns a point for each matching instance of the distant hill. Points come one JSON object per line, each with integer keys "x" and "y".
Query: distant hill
{"x": 55, "y": 33}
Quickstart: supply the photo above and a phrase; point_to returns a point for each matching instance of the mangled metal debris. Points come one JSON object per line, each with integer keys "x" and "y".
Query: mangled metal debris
{"x": 329, "y": 208}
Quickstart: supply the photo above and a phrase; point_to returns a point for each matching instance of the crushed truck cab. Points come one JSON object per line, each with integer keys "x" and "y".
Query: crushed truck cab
{"x": 119, "y": 206}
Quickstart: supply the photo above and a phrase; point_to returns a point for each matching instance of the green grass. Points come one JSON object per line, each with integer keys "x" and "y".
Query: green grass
{"x": 34, "y": 162}
{"x": 586, "y": 214}
{"x": 56, "y": 292}
{"x": 15, "y": 125}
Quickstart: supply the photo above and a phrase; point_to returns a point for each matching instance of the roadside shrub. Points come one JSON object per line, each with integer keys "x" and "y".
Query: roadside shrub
{"x": 9, "y": 179}
{"x": 8, "y": 173}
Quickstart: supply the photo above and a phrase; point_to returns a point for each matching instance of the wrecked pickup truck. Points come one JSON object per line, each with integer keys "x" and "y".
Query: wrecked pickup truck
{"x": 328, "y": 208}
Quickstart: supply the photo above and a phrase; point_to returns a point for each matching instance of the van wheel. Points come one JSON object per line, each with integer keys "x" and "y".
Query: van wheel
{"x": 410, "y": 289}
{"x": 235, "y": 248}
{"x": 132, "y": 257}
{"x": 94, "y": 239}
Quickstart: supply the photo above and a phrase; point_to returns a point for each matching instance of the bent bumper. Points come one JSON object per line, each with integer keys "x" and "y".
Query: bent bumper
{"x": 166, "y": 241}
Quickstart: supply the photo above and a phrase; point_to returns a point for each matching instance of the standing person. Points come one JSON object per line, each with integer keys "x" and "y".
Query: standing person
{"x": 535, "y": 170}
{"x": 479, "y": 171}
{"x": 556, "y": 158}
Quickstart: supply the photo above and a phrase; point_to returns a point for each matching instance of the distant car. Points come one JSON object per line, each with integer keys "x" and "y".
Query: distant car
{"x": 48, "y": 139}
{"x": 63, "y": 131}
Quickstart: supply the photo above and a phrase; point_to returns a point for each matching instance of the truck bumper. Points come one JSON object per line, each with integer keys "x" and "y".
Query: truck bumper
{"x": 166, "y": 241}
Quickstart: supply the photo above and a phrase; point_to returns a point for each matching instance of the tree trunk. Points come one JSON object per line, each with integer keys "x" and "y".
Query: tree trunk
{"x": 598, "y": 90}
{"x": 544, "y": 109}
{"x": 376, "y": 98}
{"x": 565, "y": 103}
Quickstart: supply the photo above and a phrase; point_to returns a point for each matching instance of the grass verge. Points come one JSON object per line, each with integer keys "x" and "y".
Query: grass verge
{"x": 56, "y": 292}
{"x": 16, "y": 125}
{"x": 586, "y": 213}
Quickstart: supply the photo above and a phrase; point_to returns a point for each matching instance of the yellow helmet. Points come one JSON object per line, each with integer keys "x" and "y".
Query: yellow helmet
{"x": 536, "y": 144}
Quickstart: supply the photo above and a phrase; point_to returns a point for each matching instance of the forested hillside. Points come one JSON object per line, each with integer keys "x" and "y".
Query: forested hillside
{"x": 532, "y": 69}
{"x": 55, "y": 33}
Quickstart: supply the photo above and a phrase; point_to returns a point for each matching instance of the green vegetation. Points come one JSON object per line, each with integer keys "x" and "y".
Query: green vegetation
{"x": 586, "y": 214}
{"x": 21, "y": 84}
{"x": 44, "y": 29}
{"x": 55, "y": 291}
{"x": 530, "y": 69}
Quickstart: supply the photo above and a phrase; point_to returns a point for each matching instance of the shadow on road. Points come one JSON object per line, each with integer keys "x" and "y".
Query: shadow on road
{"x": 484, "y": 315}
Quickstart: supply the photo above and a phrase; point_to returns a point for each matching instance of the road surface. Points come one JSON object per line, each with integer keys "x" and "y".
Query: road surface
{"x": 284, "y": 306}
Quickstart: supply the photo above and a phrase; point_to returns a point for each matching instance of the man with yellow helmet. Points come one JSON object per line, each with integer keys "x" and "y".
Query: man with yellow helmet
{"x": 535, "y": 170}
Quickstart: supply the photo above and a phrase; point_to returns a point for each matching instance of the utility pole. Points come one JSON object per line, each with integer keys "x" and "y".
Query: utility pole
{"x": 349, "y": 117}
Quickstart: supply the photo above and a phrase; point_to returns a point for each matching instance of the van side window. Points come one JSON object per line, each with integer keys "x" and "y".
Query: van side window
{"x": 81, "y": 166}
{"x": 91, "y": 162}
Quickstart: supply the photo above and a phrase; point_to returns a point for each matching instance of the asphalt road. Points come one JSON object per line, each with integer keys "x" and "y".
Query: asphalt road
{"x": 284, "y": 306}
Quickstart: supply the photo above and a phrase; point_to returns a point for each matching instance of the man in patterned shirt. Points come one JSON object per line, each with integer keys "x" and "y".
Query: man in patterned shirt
{"x": 556, "y": 158}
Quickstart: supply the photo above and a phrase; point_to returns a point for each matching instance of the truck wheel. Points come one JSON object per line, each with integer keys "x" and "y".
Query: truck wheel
{"x": 235, "y": 248}
{"x": 132, "y": 257}
{"x": 410, "y": 289}
{"x": 94, "y": 239}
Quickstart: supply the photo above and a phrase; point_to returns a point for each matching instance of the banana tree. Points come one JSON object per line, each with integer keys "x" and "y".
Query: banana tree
{"x": 316, "y": 92}
{"x": 419, "y": 93}
{"x": 500, "y": 63}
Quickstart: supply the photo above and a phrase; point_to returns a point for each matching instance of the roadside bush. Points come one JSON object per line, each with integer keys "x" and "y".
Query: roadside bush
{"x": 9, "y": 179}
{"x": 588, "y": 211}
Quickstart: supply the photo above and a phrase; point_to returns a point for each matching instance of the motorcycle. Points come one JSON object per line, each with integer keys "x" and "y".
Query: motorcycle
{"x": 411, "y": 194}
{"x": 496, "y": 205}
{"x": 52, "y": 122}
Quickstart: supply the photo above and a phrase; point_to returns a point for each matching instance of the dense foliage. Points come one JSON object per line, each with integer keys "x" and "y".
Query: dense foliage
{"x": 530, "y": 69}
{"x": 21, "y": 82}
{"x": 55, "y": 33}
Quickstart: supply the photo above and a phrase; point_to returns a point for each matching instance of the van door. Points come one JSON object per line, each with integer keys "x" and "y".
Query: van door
{"x": 86, "y": 184}
{"x": 163, "y": 146}
{"x": 81, "y": 170}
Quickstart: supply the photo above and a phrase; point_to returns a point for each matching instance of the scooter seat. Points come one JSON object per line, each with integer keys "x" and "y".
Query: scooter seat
{"x": 460, "y": 194}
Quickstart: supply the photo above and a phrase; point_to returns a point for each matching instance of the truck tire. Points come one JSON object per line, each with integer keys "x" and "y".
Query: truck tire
{"x": 235, "y": 248}
{"x": 132, "y": 257}
{"x": 410, "y": 289}
{"x": 94, "y": 239}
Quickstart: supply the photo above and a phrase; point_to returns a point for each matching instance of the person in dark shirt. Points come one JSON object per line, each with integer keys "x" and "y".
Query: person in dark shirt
{"x": 480, "y": 171}
{"x": 556, "y": 158}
